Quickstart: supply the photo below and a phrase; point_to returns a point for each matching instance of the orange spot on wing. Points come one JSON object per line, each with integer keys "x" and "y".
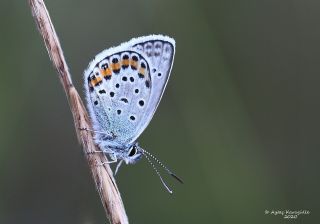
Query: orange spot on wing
{"x": 115, "y": 66}
{"x": 95, "y": 81}
{"x": 142, "y": 70}
{"x": 134, "y": 63}
{"x": 106, "y": 72}
{"x": 125, "y": 62}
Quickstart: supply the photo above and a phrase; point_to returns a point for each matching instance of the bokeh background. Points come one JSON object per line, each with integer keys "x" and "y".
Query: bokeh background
{"x": 239, "y": 121}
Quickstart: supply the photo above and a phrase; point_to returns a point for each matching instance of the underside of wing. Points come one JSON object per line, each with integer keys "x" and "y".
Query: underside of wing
{"x": 124, "y": 86}
{"x": 160, "y": 52}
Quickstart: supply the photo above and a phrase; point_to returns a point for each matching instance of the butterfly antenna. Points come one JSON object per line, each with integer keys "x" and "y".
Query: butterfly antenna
{"x": 155, "y": 169}
{"x": 163, "y": 166}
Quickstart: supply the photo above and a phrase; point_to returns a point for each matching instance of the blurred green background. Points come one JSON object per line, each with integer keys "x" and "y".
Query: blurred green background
{"x": 239, "y": 121}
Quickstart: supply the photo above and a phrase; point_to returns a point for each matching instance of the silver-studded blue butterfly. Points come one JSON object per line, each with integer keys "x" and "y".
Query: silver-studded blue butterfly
{"x": 123, "y": 87}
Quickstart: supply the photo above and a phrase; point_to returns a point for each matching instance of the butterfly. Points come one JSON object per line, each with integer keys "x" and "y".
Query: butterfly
{"x": 123, "y": 87}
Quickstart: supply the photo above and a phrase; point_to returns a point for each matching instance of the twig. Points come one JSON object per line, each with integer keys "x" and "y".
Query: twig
{"x": 102, "y": 174}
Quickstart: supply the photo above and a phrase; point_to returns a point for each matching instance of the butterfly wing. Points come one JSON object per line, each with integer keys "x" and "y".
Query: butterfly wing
{"x": 160, "y": 52}
{"x": 121, "y": 90}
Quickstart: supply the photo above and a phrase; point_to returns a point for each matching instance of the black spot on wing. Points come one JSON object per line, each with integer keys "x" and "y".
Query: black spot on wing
{"x": 135, "y": 58}
{"x": 116, "y": 71}
{"x": 104, "y": 66}
{"x": 147, "y": 83}
{"x": 132, "y": 118}
{"x": 125, "y": 100}
{"x": 141, "y": 102}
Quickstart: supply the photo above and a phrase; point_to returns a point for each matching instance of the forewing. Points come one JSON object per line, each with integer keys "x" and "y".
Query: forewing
{"x": 160, "y": 51}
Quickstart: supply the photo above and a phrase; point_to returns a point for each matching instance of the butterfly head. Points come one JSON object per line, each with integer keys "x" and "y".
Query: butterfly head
{"x": 134, "y": 154}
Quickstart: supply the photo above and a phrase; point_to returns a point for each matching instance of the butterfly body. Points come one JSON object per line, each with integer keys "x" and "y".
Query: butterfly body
{"x": 124, "y": 86}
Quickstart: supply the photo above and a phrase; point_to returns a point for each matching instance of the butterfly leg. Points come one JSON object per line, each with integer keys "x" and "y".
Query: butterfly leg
{"x": 87, "y": 129}
{"x": 108, "y": 162}
{"x": 94, "y": 151}
{"x": 113, "y": 160}
{"x": 117, "y": 168}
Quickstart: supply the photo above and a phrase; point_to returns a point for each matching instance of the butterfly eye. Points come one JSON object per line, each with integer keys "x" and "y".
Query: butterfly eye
{"x": 133, "y": 151}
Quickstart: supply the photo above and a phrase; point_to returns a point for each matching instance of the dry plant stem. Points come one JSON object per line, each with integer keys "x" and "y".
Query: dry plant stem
{"x": 102, "y": 174}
